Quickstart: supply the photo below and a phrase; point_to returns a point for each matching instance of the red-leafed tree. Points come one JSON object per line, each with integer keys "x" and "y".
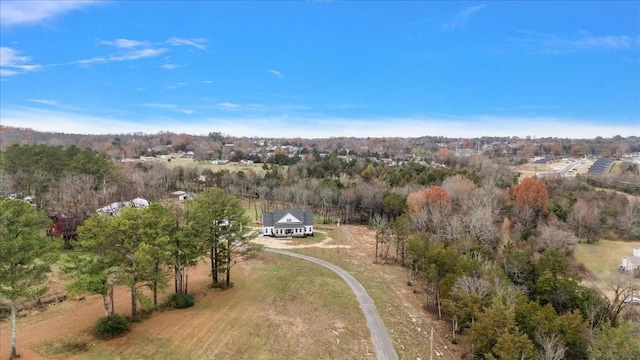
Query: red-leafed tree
{"x": 433, "y": 195}
{"x": 436, "y": 195}
{"x": 531, "y": 193}
{"x": 530, "y": 197}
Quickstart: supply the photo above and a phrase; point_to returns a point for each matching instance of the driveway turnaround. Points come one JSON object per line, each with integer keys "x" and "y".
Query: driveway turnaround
{"x": 379, "y": 336}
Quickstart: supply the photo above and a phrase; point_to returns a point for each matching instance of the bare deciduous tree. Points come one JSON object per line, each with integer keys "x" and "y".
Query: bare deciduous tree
{"x": 348, "y": 202}
{"x": 381, "y": 225}
{"x": 460, "y": 189}
{"x": 266, "y": 196}
{"x": 584, "y": 219}
{"x": 480, "y": 224}
{"x": 472, "y": 285}
{"x": 620, "y": 286}
{"x": 552, "y": 237}
{"x": 371, "y": 195}
{"x": 551, "y": 346}
{"x": 630, "y": 219}
{"x": 328, "y": 197}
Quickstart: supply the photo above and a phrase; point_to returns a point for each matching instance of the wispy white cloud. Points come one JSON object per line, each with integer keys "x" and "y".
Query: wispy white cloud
{"x": 602, "y": 42}
{"x": 128, "y": 50}
{"x": 170, "y": 66}
{"x": 98, "y": 59}
{"x": 138, "y": 54}
{"x": 27, "y": 12}
{"x": 461, "y": 18}
{"x": 125, "y": 43}
{"x": 275, "y": 73}
{"x": 196, "y": 43}
{"x": 559, "y": 44}
{"x": 228, "y": 105}
{"x": 44, "y": 101}
{"x": 206, "y": 82}
{"x": 9, "y": 57}
{"x": 11, "y": 63}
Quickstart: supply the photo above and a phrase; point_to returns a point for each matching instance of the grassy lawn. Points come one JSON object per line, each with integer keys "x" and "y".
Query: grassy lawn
{"x": 280, "y": 308}
{"x": 605, "y": 256}
{"x": 232, "y": 167}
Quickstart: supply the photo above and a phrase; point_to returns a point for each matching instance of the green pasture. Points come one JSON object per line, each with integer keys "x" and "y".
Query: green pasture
{"x": 603, "y": 257}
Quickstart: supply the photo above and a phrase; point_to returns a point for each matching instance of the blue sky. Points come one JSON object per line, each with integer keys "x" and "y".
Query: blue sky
{"x": 321, "y": 69}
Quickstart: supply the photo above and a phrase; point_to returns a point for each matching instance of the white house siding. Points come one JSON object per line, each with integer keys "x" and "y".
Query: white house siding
{"x": 287, "y": 223}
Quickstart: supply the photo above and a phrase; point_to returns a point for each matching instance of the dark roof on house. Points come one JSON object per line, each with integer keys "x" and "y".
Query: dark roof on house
{"x": 272, "y": 217}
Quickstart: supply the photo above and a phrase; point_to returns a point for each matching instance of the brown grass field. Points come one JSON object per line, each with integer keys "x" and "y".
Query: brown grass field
{"x": 279, "y": 308}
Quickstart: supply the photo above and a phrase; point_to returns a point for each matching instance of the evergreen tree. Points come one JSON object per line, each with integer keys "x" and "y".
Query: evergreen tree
{"x": 26, "y": 255}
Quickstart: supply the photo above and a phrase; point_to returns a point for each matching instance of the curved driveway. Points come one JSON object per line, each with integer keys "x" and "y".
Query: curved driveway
{"x": 379, "y": 335}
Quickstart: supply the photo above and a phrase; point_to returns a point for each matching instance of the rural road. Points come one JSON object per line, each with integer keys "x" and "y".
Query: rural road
{"x": 379, "y": 336}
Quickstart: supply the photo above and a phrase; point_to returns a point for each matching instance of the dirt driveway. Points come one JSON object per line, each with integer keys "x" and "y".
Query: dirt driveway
{"x": 289, "y": 243}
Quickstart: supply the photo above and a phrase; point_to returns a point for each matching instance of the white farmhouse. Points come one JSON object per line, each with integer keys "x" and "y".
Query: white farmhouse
{"x": 631, "y": 263}
{"x": 287, "y": 223}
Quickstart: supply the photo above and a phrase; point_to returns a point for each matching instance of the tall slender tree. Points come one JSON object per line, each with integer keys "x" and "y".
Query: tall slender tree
{"x": 25, "y": 256}
{"x": 155, "y": 249}
{"x": 94, "y": 263}
{"x": 218, "y": 222}
{"x": 207, "y": 220}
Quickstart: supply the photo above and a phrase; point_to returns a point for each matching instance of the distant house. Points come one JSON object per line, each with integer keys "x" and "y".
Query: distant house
{"x": 631, "y": 263}
{"x": 113, "y": 209}
{"x": 219, "y": 162}
{"x": 287, "y": 223}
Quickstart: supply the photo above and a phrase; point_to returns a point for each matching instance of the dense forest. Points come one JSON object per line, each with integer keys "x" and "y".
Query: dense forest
{"x": 492, "y": 251}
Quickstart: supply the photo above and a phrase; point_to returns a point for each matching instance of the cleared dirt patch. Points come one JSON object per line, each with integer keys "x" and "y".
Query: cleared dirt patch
{"x": 282, "y": 243}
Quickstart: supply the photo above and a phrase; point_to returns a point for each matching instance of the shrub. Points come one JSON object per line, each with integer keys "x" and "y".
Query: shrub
{"x": 181, "y": 300}
{"x": 222, "y": 285}
{"x": 111, "y": 326}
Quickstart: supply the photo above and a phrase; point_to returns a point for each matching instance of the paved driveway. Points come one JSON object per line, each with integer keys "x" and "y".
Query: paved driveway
{"x": 379, "y": 336}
